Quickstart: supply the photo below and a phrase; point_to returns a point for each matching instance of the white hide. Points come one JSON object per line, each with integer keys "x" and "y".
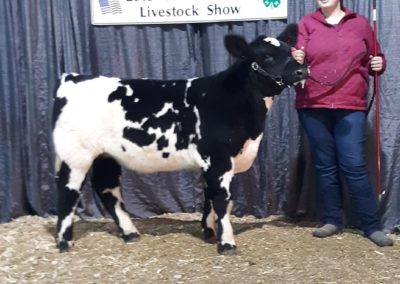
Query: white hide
{"x": 65, "y": 224}
{"x": 225, "y": 181}
{"x": 268, "y": 102}
{"x": 89, "y": 125}
{"x": 244, "y": 160}
{"x": 227, "y": 234}
{"x": 272, "y": 41}
{"x": 210, "y": 220}
{"x": 125, "y": 221}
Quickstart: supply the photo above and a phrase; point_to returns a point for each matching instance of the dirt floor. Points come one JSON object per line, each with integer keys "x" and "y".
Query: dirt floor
{"x": 171, "y": 251}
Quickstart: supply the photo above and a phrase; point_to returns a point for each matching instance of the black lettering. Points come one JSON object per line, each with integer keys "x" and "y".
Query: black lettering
{"x": 217, "y": 9}
{"x": 235, "y": 10}
{"x": 174, "y": 12}
{"x": 214, "y": 9}
{"x": 180, "y": 12}
{"x": 141, "y": 13}
{"x": 187, "y": 12}
{"x": 195, "y": 11}
{"x": 210, "y": 10}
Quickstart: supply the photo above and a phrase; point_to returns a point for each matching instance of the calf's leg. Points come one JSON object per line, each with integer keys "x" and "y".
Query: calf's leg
{"x": 106, "y": 181}
{"x": 218, "y": 178}
{"x": 209, "y": 218}
{"x": 69, "y": 183}
{"x": 223, "y": 207}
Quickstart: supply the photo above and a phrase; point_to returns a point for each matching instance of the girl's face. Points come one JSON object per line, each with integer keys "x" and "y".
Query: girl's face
{"x": 328, "y": 3}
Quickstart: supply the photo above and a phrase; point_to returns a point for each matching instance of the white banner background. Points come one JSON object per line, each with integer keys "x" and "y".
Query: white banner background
{"x": 136, "y": 12}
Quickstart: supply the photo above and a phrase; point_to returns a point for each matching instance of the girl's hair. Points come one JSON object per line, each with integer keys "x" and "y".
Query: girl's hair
{"x": 341, "y": 4}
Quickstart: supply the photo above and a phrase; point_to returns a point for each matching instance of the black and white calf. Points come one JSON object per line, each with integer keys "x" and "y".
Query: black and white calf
{"x": 213, "y": 124}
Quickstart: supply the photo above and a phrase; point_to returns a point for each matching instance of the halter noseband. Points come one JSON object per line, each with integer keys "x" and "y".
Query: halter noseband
{"x": 277, "y": 79}
{"x": 257, "y": 68}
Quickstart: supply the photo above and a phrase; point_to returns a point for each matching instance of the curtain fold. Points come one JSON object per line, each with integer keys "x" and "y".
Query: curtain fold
{"x": 41, "y": 39}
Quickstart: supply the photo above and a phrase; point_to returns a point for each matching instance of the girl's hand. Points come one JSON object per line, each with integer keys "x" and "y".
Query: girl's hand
{"x": 376, "y": 63}
{"x": 299, "y": 55}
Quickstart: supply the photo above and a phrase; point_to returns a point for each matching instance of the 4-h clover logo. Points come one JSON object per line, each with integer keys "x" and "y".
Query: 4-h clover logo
{"x": 272, "y": 3}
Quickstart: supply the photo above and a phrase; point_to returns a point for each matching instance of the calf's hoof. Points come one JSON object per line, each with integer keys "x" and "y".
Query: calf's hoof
{"x": 209, "y": 236}
{"x": 130, "y": 238}
{"x": 63, "y": 246}
{"x": 226, "y": 249}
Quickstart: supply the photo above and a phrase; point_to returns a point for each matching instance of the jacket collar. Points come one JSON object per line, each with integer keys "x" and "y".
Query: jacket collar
{"x": 319, "y": 16}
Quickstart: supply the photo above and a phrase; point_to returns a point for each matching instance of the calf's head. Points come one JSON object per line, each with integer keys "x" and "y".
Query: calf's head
{"x": 270, "y": 60}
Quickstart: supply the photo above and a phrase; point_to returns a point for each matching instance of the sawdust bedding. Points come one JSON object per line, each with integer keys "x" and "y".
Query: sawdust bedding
{"x": 171, "y": 250}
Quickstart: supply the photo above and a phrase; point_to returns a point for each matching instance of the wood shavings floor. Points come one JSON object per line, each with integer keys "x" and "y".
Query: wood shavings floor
{"x": 171, "y": 251}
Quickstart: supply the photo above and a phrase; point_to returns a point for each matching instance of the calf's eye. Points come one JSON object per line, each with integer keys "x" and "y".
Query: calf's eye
{"x": 268, "y": 59}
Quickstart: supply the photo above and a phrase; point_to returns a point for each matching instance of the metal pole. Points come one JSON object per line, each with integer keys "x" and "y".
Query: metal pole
{"x": 376, "y": 92}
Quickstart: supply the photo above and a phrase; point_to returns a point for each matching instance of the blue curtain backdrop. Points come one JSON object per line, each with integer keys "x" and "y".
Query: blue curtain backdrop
{"x": 40, "y": 39}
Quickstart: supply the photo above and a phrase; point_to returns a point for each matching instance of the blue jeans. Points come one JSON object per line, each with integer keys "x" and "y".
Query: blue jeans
{"x": 337, "y": 142}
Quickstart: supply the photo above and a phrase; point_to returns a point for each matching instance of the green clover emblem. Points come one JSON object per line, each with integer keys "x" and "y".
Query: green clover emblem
{"x": 272, "y": 3}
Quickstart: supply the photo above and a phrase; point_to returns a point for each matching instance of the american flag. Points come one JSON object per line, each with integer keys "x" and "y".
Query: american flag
{"x": 110, "y": 6}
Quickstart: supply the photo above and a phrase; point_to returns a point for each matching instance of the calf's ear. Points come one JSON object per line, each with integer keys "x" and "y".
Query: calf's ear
{"x": 237, "y": 46}
{"x": 289, "y": 35}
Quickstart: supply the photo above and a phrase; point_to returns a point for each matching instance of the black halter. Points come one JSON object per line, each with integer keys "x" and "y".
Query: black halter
{"x": 276, "y": 78}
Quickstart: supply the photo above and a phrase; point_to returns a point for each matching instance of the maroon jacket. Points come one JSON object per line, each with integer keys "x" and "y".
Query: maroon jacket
{"x": 329, "y": 51}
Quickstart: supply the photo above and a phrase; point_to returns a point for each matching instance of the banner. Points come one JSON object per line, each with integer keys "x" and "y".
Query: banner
{"x": 137, "y": 12}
